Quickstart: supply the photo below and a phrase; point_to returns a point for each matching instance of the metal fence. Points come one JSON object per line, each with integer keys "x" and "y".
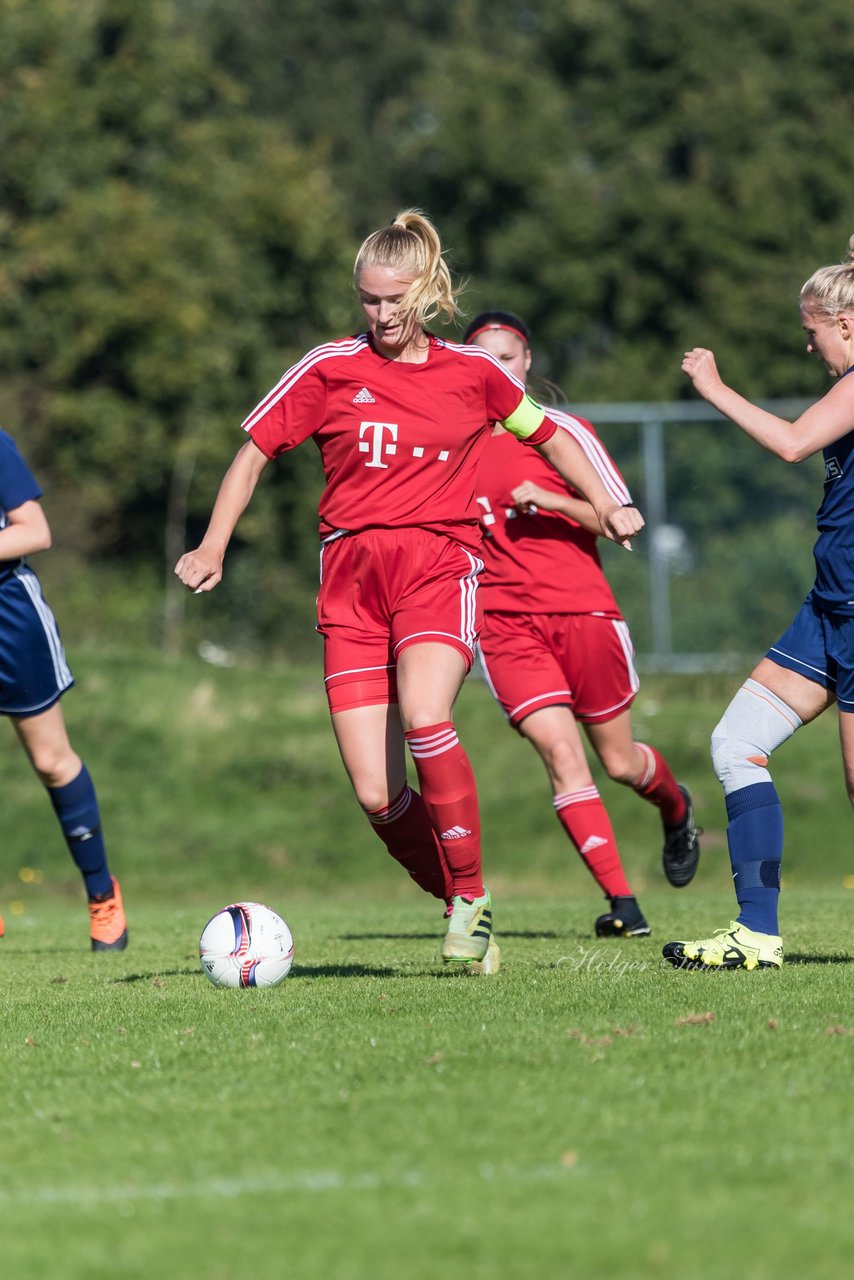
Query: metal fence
{"x": 669, "y": 452}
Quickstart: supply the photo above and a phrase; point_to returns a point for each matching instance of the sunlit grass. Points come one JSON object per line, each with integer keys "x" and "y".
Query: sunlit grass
{"x": 587, "y": 1110}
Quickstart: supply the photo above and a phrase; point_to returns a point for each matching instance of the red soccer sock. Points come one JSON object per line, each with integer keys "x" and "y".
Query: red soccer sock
{"x": 658, "y": 785}
{"x": 406, "y": 831}
{"x": 450, "y": 795}
{"x": 585, "y": 820}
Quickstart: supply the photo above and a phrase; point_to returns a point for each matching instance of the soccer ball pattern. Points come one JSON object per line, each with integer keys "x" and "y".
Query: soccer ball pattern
{"x": 246, "y": 945}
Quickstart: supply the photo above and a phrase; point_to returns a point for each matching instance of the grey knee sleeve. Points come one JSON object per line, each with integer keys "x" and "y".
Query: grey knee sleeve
{"x": 754, "y": 724}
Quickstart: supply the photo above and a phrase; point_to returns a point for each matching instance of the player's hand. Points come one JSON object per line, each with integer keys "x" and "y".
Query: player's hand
{"x": 199, "y": 570}
{"x": 700, "y": 366}
{"x": 529, "y": 498}
{"x": 620, "y": 524}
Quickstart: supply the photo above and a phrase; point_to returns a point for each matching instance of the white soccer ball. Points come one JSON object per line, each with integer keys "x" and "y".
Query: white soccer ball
{"x": 246, "y": 945}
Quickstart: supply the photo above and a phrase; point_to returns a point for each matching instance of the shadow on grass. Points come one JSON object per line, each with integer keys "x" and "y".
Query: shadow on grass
{"x": 817, "y": 959}
{"x": 304, "y": 971}
{"x": 500, "y": 934}
{"x": 343, "y": 971}
{"x": 158, "y": 973}
{"x": 389, "y": 937}
{"x": 42, "y": 949}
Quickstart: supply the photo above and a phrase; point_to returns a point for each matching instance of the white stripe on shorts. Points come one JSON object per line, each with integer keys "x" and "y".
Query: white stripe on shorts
{"x": 30, "y": 583}
{"x": 622, "y": 630}
{"x": 468, "y": 601}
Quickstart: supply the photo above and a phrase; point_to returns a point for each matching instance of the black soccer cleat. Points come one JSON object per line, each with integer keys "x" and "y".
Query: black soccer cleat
{"x": 624, "y": 920}
{"x": 681, "y": 854}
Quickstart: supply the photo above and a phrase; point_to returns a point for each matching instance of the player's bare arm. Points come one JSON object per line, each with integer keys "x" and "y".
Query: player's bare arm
{"x": 529, "y": 497}
{"x": 27, "y": 531}
{"x": 828, "y": 420}
{"x": 617, "y": 522}
{"x": 201, "y": 570}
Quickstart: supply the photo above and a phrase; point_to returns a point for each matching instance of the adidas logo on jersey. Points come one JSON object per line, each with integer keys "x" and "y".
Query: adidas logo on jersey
{"x": 363, "y": 397}
{"x": 455, "y": 833}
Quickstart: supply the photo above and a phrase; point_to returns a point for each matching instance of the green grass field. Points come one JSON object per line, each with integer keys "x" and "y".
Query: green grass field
{"x": 587, "y": 1112}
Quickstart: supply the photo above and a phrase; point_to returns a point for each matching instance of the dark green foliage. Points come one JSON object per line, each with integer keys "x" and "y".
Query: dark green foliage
{"x": 184, "y": 183}
{"x": 165, "y": 255}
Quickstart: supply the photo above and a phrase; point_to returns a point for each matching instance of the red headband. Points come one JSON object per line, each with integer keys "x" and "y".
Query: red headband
{"x": 495, "y": 324}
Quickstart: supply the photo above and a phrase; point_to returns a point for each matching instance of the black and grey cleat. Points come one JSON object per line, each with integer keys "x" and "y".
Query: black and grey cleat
{"x": 681, "y": 853}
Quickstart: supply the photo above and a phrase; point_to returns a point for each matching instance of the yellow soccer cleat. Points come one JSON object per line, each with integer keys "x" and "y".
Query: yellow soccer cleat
{"x": 469, "y": 930}
{"x": 734, "y": 948}
{"x": 491, "y": 962}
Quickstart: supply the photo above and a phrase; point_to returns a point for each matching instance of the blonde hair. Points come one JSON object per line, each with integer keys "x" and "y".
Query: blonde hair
{"x": 831, "y": 289}
{"x": 411, "y": 244}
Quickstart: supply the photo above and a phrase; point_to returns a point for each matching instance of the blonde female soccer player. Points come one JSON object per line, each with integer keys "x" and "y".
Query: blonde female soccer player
{"x": 401, "y": 418}
{"x": 811, "y": 666}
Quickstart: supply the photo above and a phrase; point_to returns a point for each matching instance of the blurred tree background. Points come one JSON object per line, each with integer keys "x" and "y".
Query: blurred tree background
{"x": 184, "y": 186}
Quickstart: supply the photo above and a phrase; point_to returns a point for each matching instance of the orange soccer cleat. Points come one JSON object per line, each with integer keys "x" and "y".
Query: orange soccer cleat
{"x": 108, "y": 926}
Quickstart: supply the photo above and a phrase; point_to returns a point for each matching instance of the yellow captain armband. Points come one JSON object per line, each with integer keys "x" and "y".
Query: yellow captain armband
{"x": 525, "y": 419}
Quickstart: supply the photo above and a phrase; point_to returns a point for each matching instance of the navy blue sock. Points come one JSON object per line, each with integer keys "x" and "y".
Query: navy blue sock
{"x": 76, "y": 807}
{"x": 755, "y": 837}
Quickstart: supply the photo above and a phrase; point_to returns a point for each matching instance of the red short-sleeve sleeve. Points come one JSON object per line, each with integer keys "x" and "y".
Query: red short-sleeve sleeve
{"x": 292, "y": 411}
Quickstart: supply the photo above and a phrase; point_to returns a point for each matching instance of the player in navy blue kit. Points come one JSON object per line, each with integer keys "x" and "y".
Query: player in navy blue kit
{"x": 812, "y": 665}
{"x": 33, "y": 677}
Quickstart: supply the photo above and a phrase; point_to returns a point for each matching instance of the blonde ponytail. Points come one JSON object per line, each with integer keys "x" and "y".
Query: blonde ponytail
{"x": 412, "y": 246}
{"x": 830, "y": 290}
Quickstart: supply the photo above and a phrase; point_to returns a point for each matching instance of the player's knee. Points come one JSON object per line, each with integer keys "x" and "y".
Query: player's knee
{"x": 738, "y": 759}
{"x": 620, "y": 765}
{"x": 724, "y": 752}
{"x": 428, "y": 709}
{"x": 55, "y": 768}
{"x": 372, "y": 795}
{"x": 566, "y": 764}
{"x": 754, "y": 724}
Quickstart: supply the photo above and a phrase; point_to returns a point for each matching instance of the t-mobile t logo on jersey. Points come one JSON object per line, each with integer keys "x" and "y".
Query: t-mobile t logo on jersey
{"x": 374, "y": 443}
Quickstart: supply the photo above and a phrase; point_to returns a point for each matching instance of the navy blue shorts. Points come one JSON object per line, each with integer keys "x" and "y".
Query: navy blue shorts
{"x": 33, "y": 670}
{"x": 820, "y": 646}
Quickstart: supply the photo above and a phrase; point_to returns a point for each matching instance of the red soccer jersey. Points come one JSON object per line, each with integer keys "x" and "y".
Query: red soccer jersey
{"x": 400, "y": 442}
{"x": 544, "y": 562}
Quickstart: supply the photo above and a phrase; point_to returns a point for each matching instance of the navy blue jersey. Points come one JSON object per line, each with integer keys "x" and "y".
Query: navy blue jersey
{"x": 17, "y": 483}
{"x": 834, "y": 548}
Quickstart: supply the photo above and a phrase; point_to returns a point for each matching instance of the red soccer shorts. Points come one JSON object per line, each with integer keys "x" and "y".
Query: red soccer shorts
{"x": 385, "y": 589}
{"x": 580, "y": 660}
